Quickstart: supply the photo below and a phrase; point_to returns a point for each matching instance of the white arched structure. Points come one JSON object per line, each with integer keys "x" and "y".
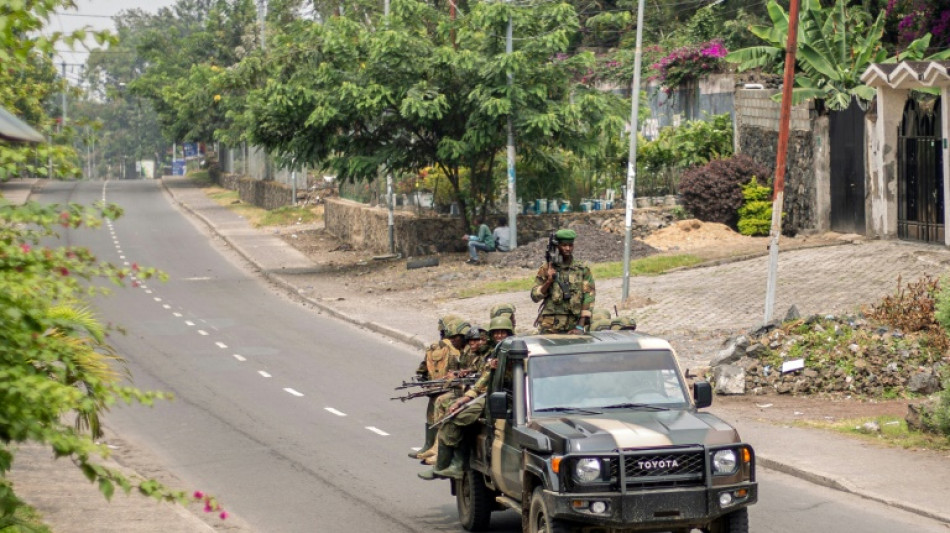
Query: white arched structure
{"x": 893, "y": 82}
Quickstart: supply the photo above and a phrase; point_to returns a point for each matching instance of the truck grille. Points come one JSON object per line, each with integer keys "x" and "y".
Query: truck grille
{"x": 674, "y": 468}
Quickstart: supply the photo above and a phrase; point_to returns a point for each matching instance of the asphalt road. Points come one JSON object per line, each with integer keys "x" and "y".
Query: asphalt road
{"x": 284, "y": 414}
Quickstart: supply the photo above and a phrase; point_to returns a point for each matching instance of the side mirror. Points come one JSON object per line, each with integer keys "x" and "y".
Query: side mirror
{"x": 702, "y": 394}
{"x": 498, "y": 405}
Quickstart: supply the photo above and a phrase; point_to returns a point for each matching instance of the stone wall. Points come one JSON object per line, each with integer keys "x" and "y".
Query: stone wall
{"x": 266, "y": 194}
{"x": 757, "y": 121}
{"x": 365, "y": 227}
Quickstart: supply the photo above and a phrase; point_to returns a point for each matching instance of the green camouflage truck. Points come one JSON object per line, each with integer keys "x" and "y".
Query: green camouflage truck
{"x": 598, "y": 434}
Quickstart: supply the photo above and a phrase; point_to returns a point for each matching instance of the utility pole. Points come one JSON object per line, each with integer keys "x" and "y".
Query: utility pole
{"x": 632, "y": 157}
{"x": 512, "y": 195}
{"x": 778, "y": 196}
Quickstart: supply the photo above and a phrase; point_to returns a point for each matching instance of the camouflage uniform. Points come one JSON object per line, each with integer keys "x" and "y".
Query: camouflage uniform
{"x": 560, "y": 315}
{"x": 440, "y": 358}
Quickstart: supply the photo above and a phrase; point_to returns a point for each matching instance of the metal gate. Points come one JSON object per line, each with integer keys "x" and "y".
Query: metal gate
{"x": 920, "y": 173}
{"x": 846, "y": 130}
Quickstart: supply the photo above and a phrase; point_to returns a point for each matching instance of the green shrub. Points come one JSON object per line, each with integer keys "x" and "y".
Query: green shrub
{"x": 713, "y": 192}
{"x": 941, "y": 414}
{"x": 755, "y": 216}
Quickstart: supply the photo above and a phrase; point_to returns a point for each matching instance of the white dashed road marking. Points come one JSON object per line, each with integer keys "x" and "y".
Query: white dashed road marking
{"x": 202, "y": 332}
{"x": 157, "y": 299}
{"x": 176, "y": 314}
{"x": 221, "y": 345}
{"x": 293, "y": 392}
{"x": 263, "y": 374}
{"x": 334, "y": 411}
{"x": 166, "y": 306}
{"x": 189, "y": 323}
{"x": 377, "y": 431}
{"x": 240, "y": 358}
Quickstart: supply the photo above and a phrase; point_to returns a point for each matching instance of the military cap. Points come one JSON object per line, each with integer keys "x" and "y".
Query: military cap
{"x": 446, "y": 322}
{"x": 460, "y": 327}
{"x": 502, "y": 310}
{"x": 565, "y": 235}
{"x": 474, "y": 333}
{"x": 500, "y": 322}
{"x": 600, "y": 324}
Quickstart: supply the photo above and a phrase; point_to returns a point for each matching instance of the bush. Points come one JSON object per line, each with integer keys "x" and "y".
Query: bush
{"x": 713, "y": 192}
{"x": 941, "y": 414}
{"x": 755, "y": 216}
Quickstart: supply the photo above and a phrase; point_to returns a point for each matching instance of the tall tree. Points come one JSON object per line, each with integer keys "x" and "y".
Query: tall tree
{"x": 358, "y": 96}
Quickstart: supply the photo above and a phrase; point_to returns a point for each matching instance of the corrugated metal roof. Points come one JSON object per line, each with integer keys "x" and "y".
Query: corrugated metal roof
{"x": 14, "y": 129}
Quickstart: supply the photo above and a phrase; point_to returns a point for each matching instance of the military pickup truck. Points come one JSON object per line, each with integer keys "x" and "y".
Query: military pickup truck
{"x": 598, "y": 434}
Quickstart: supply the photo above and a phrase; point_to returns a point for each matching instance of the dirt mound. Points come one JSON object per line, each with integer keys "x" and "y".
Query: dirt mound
{"x": 593, "y": 245}
{"x": 693, "y": 233}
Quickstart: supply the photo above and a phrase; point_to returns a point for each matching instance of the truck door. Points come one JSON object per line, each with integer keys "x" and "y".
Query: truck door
{"x": 506, "y": 457}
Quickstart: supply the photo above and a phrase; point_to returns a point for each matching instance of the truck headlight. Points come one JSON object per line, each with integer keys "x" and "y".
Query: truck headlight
{"x": 725, "y": 462}
{"x": 587, "y": 470}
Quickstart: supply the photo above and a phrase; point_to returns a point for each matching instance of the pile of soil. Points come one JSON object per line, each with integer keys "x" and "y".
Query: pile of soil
{"x": 693, "y": 233}
{"x": 593, "y": 245}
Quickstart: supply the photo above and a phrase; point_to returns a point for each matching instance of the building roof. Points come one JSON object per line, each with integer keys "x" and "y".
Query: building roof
{"x": 14, "y": 129}
{"x": 908, "y": 74}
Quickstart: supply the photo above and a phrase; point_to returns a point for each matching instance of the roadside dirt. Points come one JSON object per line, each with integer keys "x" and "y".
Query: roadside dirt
{"x": 360, "y": 273}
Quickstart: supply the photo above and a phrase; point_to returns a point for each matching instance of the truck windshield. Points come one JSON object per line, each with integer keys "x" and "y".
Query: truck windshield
{"x": 598, "y": 380}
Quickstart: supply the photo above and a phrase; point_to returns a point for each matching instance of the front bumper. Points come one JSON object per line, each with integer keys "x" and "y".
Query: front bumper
{"x": 650, "y": 510}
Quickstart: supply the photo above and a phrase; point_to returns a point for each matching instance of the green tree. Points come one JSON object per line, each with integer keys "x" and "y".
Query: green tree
{"x": 357, "y": 97}
{"x": 55, "y": 363}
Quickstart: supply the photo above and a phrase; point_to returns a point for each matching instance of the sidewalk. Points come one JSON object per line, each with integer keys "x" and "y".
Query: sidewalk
{"x": 691, "y": 303}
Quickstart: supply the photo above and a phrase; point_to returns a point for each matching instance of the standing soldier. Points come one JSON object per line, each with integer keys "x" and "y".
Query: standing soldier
{"x": 440, "y": 358}
{"x": 565, "y": 288}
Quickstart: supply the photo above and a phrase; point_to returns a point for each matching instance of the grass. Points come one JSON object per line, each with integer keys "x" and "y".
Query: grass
{"x": 894, "y": 432}
{"x": 30, "y": 519}
{"x": 647, "y": 266}
{"x": 258, "y": 216}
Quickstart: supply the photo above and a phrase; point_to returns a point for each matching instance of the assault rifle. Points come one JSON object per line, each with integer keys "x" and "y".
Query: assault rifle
{"x": 434, "y": 387}
{"x": 454, "y": 413}
{"x": 553, "y": 257}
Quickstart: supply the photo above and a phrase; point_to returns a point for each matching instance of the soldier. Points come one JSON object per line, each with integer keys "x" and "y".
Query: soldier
{"x": 565, "y": 290}
{"x": 506, "y": 310}
{"x": 471, "y": 361}
{"x": 440, "y": 358}
{"x": 500, "y": 329}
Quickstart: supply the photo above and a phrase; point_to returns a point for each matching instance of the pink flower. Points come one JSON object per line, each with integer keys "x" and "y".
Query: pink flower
{"x": 25, "y": 247}
{"x": 224, "y": 515}
{"x": 208, "y": 507}
{"x": 135, "y": 268}
{"x": 198, "y": 495}
{"x": 64, "y": 271}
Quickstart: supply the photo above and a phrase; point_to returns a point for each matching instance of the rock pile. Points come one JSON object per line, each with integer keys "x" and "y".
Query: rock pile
{"x": 593, "y": 245}
{"x": 839, "y": 355}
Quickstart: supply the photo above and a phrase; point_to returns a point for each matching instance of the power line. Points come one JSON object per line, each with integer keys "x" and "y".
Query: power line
{"x": 84, "y": 15}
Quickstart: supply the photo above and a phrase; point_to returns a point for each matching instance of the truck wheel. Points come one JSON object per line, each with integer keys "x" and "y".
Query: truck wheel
{"x": 540, "y": 521}
{"x": 734, "y": 522}
{"x": 474, "y": 501}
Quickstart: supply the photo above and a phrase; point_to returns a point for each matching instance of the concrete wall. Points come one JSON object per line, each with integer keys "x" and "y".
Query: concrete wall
{"x": 807, "y": 185}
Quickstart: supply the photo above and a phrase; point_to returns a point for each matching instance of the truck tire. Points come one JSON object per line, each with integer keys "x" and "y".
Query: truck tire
{"x": 539, "y": 519}
{"x": 474, "y": 501}
{"x": 734, "y": 522}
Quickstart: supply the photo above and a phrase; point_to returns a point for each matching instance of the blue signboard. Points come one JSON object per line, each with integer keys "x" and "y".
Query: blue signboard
{"x": 178, "y": 167}
{"x": 190, "y": 149}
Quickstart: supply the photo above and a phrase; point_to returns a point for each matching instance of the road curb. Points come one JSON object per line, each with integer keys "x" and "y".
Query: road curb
{"x": 293, "y": 292}
{"x": 831, "y": 483}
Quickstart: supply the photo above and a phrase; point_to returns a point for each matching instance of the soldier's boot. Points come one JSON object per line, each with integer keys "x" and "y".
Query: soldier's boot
{"x": 456, "y": 467}
{"x": 443, "y": 461}
{"x": 431, "y": 452}
{"x": 430, "y": 442}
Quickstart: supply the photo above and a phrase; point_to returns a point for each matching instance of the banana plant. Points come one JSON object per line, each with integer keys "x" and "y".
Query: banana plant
{"x": 835, "y": 48}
